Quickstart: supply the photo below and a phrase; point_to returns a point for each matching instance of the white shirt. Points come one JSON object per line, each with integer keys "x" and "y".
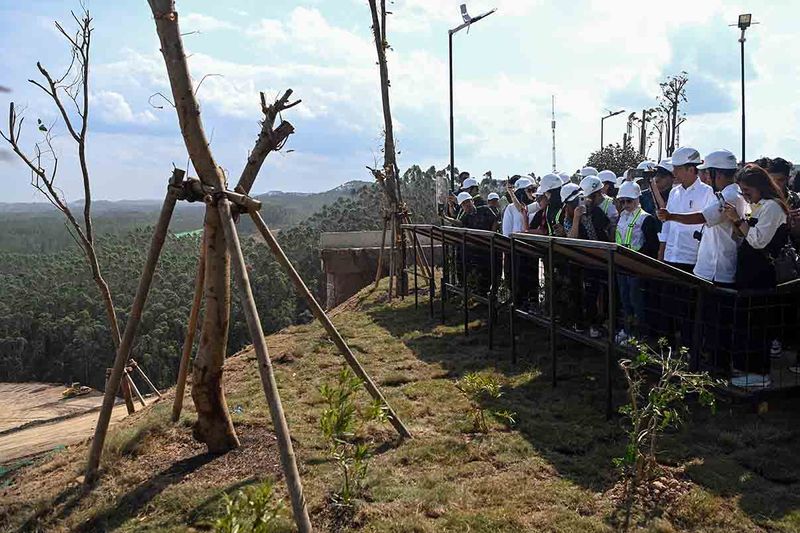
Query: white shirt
{"x": 716, "y": 256}
{"x": 512, "y": 218}
{"x": 770, "y": 216}
{"x": 681, "y": 246}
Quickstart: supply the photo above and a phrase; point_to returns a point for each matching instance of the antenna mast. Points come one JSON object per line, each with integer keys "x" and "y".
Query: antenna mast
{"x": 553, "y": 125}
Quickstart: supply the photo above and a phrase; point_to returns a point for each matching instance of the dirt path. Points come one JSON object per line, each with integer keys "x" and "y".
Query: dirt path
{"x": 53, "y": 421}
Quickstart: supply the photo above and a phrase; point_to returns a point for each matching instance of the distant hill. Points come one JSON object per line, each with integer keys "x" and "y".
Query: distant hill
{"x": 37, "y": 227}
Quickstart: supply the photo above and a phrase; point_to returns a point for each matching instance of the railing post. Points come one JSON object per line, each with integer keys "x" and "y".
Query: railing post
{"x": 612, "y": 327}
{"x": 492, "y": 289}
{"x": 465, "y": 289}
{"x": 551, "y": 306}
{"x": 512, "y": 309}
{"x": 432, "y": 271}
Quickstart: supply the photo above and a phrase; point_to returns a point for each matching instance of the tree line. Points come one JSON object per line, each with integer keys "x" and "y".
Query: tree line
{"x": 52, "y": 323}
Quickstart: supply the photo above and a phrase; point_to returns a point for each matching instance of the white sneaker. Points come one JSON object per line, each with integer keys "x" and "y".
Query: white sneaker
{"x": 621, "y": 337}
{"x": 776, "y": 349}
{"x": 594, "y": 332}
{"x": 751, "y": 381}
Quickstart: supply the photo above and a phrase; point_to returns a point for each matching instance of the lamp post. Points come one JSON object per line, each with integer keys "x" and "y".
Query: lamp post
{"x": 603, "y": 119}
{"x": 467, "y": 22}
{"x": 745, "y": 21}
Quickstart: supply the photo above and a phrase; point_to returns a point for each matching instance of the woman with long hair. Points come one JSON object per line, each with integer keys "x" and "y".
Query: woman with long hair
{"x": 765, "y": 232}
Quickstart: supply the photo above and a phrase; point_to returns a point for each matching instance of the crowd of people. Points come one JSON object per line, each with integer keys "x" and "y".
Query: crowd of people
{"x": 734, "y": 225}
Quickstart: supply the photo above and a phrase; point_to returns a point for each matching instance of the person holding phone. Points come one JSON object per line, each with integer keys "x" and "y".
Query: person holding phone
{"x": 717, "y": 252}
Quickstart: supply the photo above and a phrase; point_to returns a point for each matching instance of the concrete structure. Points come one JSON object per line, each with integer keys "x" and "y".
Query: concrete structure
{"x": 349, "y": 261}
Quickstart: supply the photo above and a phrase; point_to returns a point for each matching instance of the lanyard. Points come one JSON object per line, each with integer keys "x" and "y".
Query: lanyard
{"x": 629, "y": 232}
{"x": 547, "y": 220}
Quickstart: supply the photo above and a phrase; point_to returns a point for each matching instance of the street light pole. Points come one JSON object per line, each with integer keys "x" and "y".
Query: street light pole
{"x": 467, "y": 22}
{"x": 602, "y": 125}
{"x": 452, "y": 151}
{"x": 742, "y": 40}
{"x": 745, "y": 21}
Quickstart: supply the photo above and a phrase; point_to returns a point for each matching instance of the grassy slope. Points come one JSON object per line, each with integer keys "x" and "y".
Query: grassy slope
{"x": 551, "y": 473}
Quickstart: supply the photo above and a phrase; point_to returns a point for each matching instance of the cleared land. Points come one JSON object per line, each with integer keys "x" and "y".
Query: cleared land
{"x": 553, "y": 471}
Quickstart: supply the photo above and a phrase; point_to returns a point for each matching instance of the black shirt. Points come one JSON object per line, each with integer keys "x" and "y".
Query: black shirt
{"x": 482, "y": 218}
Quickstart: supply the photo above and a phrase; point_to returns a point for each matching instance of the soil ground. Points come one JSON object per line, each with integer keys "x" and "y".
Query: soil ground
{"x": 730, "y": 471}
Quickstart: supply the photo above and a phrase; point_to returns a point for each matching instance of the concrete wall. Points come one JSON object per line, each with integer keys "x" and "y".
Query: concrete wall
{"x": 350, "y": 259}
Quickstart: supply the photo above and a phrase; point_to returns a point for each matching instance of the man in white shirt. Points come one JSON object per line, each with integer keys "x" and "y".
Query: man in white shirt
{"x": 716, "y": 255}
{"x": 680, "y": 242}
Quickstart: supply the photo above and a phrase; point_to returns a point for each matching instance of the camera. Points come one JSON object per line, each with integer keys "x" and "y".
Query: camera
{"x": 698, "y": 235}
{"x": 640, "y": 173}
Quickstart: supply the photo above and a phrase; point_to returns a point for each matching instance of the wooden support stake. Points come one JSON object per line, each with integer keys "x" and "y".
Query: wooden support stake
{"x": 285, "y": 447}
{"x": 135, "y": 365}
{"x": 126, "y": 343}
{"x": 392, "y": 236}
{"x": 134, "y": 387}
{"x": 320, "y": 314}
{"x": 191, "y": 329}
{"x": 380, "y": 254}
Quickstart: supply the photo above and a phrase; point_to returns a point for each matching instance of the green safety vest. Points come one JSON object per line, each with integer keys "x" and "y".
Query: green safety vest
{"x": 626, "y": 242}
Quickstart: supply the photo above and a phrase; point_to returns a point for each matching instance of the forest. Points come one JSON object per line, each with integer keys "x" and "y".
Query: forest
{"x": 52, "y": 322}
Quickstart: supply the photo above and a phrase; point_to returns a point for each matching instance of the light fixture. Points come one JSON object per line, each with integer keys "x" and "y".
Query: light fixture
{"x": 745, "y": 20}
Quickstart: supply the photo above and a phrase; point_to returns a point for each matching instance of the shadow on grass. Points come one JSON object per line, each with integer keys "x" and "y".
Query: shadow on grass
{"x": 734, "y": 452}
{"x": 127, "y": 506}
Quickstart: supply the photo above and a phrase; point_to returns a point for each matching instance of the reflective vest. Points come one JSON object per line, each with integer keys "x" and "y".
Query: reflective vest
{"x": 633, "y": 229}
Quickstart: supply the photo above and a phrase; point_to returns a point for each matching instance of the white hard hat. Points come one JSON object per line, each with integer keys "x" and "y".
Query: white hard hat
{"x": 565, "y": 178}
{"x": 570, "y": 192}
{"x": 588, "y": 171}
{"x": 646, "y": 165}
{"x": 620, "y": 181}
{"x": 666, "y": 164}
{"x": 522, "y": 183}
{"x": 463, "y": 197}
{"x": 686, "y": 155}
{"x": 607, "y": 176}
{"x": 469, "y": 182}
{"x": 590, "y": 185}
{"x": 493, "y": 196}
{"x": 550, "y": 182}
{"x": 629, "y": 189}
{"x": 721, "y": 159}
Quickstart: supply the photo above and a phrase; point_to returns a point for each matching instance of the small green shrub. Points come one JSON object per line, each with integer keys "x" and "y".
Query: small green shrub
{"x": 342, "y": 422}
{"x": 252, "y": 510}
{"x": 653, "y": 410}
{"x": 480, "y": 389}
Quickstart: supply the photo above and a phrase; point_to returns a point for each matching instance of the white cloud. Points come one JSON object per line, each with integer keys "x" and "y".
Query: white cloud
{"x": 203, "y": 23}
{"x": 114, "y": 109}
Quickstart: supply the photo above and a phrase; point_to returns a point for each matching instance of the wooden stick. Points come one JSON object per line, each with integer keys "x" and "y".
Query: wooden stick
{"x": 392, "y": 238}
{"x": 320, "y": 314}
{"x": 135, "y": 388}
{"x": 285, "y": 447}
{"x": 123, "y": 353}
{"x": 126, "y": 393}
{"x": 145, "y": 378}
{"x": 191, "y": 329}
{"x": 380, "y": 254}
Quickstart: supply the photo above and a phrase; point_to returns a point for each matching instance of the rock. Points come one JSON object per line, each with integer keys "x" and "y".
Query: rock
{"x": 660, "y": 487}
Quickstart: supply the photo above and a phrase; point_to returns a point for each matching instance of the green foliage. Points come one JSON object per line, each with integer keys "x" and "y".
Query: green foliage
{"x": 252, "y": 510}
{"x": 341, "y": 422}
{"x": 653, "y": 410}
{"x": 481, "y": 389}
{"x": 616, "y": 158}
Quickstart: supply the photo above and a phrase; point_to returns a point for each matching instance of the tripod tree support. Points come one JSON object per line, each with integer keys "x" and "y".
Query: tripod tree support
{"x": 285, "y": 446}
{"x": 134, "y": 387}
{"x": 135, "y": 365}
{"x": 191, "y": 330}
{"x": 334, "y": 334}
{"x": 126, "y": 343}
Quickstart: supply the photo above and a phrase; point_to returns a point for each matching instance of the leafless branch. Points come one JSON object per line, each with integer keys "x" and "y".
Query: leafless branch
{"x": 197, "y": 89}
{"x": 150, "y": 101}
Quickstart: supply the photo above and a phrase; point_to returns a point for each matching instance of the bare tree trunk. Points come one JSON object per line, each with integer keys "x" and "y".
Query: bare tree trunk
{"x": 214, "y": 426}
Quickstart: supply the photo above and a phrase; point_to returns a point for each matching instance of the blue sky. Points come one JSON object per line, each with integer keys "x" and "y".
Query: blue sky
{"x": 592, "y": 54}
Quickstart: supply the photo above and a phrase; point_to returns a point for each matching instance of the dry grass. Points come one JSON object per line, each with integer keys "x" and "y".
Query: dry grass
{"x": 551, "y": 472}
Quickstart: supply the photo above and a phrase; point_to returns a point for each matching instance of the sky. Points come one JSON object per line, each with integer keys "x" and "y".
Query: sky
{"x": 593, "y": 55}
